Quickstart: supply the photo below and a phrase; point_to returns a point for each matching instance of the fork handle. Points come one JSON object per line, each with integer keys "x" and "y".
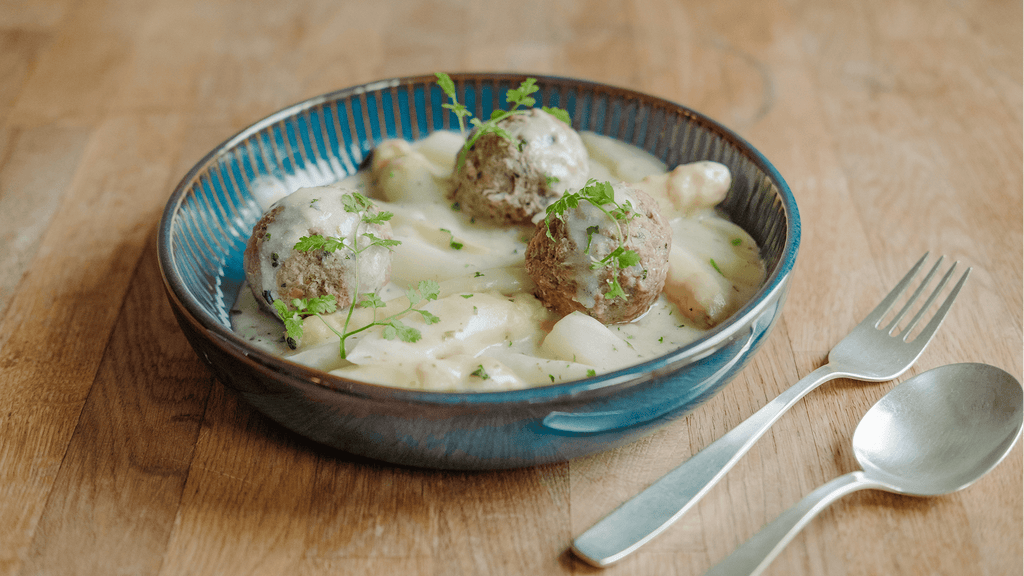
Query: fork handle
{"x": 754, "y": 555}
{"x": 649, "y": 513}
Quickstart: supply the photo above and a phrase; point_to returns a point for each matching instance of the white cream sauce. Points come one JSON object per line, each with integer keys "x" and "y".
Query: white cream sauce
{"x": 554, "y": 148}
{"x": 493, "y": 333}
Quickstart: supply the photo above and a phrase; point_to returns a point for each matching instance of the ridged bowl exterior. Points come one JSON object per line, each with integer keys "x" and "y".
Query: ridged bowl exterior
{"x": 211, "y": 213}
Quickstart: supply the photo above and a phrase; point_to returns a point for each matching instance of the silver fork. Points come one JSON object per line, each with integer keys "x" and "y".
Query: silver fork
{"x": 870, "y": 352}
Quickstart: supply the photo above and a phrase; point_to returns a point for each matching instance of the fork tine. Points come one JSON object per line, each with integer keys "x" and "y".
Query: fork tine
{"x": 876, "y": 315}
{"x": 928, "y": 331}
{"x": 917, "y": 294}
{"x": 931, "y": 297}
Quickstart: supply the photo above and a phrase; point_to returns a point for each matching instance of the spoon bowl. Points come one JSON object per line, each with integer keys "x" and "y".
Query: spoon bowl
{"x": 936, "y": 433}
{"x": 941, "y": 431}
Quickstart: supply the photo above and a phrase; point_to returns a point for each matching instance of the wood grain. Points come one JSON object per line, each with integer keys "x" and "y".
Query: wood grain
{"x": 896, "y": 123}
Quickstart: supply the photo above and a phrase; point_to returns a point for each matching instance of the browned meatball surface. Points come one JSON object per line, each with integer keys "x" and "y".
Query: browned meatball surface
{"x": 561, "y": 264}
{"x": 511, "y": 181}
{"x": 274, "y": 269}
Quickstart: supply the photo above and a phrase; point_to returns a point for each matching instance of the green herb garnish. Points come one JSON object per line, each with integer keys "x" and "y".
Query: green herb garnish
{"x": 300, "y": 309}
{"x": 304, "y": 307}
{"x": 480, "y": 372}
{"x": 451, "y": 240}
{"x": 715, "y": 266}
{"x": 602, "y": 196}
{"x": 520, "y": 99}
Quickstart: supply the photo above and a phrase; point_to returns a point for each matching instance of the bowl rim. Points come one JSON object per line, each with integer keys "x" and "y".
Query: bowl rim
{"x": 229, "y": 342}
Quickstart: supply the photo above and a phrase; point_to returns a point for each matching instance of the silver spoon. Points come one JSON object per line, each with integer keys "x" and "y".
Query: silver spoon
{"x": 934, "y": 434}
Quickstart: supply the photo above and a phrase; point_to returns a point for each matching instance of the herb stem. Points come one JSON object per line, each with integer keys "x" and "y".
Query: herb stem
{"x": 292, "y": 317}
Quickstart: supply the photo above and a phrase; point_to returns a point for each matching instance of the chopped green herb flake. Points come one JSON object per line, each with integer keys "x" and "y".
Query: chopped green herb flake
{"x": 451, "y": 240}
{"x": 715, "y": 266}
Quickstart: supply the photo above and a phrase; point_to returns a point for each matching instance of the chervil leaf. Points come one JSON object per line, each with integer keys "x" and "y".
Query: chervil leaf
{"x": 301, "y": 308}
{"x": 322, "y": 304}
{"x": 396, "y": 328}
{"x": 414, "y": 296}
{"x": 558, "y": 113}
{"x": 567, "y": 202}
{"x": 430, "y": 289}
{"x": 318, "y": 242}
{"x": 428, "y": 317}
{"x": 371, "y": 300}
{"x": 614, "y": 290}
{"x": 293, "y": 327}
{"x": 446, "y": 84}
{"x": 599, "y": 193}
{"x": 281, "y": 307}
{"x": 627, "y": 258}
{"x": 355, "y": 202}
{"x": 521, "y": 96}
{"x": 378, "y": 218}
{"x": 307, "y": 243}
{"x": 378, "y": 241}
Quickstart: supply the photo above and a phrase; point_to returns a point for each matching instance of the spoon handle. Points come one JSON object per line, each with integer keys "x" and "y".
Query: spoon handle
{"x": 754, "y": 555}
{"x": 649, "y": 513}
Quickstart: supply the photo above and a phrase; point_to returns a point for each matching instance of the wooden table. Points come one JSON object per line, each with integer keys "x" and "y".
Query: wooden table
{"x": 896, "y": 123}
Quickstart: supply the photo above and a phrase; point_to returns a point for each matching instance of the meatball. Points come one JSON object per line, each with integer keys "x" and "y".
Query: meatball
{"x": 275, "y": 269}
{"x": 562, "y": 264}
{"x": 511, "y": 181}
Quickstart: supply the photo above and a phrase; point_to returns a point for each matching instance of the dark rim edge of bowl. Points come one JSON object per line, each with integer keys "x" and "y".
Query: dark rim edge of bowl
{"x": 717, "y": 337}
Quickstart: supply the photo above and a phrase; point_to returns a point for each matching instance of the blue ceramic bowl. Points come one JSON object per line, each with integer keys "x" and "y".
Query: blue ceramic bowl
{"x": 211, "y": 213}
